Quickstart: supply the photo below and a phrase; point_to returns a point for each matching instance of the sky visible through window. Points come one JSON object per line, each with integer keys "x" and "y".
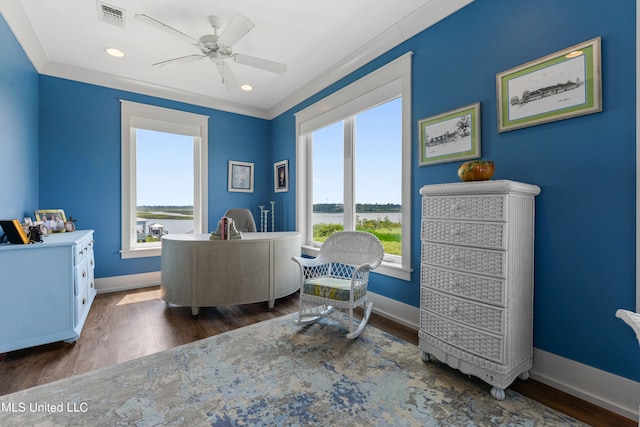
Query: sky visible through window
{"x": 164, "y": 165}
{"x": 378, "y": 157}
{"x": 165, "y": 162}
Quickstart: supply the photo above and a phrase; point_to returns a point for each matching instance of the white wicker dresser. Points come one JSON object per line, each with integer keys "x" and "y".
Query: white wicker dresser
{"x": 476, "y": 296}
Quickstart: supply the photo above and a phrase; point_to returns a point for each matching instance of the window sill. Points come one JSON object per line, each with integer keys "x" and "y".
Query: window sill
{"x": 390, "y": 269}
{"x": 140, "y": 253}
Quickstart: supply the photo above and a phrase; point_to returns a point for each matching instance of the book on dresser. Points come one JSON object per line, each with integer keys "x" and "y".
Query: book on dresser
{"x": 476, "y": 282}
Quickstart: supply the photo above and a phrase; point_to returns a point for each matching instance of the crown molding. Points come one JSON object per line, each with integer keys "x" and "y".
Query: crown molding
{"x": 419, "y": 20}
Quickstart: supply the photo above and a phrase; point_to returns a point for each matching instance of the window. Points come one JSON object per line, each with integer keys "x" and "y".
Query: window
{"x": 164, "y": 176}
{"x": 354, "y": 164}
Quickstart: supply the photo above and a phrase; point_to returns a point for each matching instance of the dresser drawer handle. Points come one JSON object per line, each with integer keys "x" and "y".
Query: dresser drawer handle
{"x": 455, "y": 232}
{"x": 84, "y": 301}
{"x": 454, "y": 258}
{"x": 84, "y": 274}
{"x": 453, "y": 284}
{"x": 453, "y": 309}
{"x": 452, "y": 335}
{"x": 455, "y": 207}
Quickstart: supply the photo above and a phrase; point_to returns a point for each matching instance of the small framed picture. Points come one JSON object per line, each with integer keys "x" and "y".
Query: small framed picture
{"x": 240, "y": 177}
{"x": 559, "y": 86}
{"x": 53, "y": 219}
{"x": 281, "y": 176}
{"x": 451, "y": 136}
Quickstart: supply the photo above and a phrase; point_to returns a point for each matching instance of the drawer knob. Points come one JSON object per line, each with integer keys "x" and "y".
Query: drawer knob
{"x": 453, "y": 284}
{"x": 455, "y": 207}
{"x": 84, "y": 274}
{"x": 84, "y": 301}
{"x": 453, "y": 309}
{"x": 451, "y": 335}
{"x": 454, "y": 258}
{"x": 455, "y": 232}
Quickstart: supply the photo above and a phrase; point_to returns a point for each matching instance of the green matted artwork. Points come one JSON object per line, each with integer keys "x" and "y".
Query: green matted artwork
{"x": 450, "y": 136}
{"x": 559, "y": 86}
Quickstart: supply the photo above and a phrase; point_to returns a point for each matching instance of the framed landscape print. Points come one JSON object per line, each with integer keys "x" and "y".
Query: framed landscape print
{"x": 450, "y": 136}
{"x": 564, "y": 84}
{"x": 240, "y": 177}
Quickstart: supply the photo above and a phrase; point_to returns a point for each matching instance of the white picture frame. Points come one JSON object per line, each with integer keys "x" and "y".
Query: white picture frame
{"x": 240, "y": 177}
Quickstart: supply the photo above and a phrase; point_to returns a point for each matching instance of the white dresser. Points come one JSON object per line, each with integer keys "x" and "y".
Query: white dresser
{"x": 476, "y": 282}
{"x": 47, "y": 289}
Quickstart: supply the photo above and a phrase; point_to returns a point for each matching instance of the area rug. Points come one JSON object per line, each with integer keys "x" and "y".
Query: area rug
{"x": 275, "y": 373}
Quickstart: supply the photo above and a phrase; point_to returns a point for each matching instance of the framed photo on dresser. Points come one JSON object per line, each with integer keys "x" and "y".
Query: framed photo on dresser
{"x": 53, "y": 219}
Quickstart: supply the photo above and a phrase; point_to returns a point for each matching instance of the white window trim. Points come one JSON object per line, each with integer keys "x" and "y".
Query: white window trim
{"x": 382, "y": 85}
{"x": 135, "y": 115}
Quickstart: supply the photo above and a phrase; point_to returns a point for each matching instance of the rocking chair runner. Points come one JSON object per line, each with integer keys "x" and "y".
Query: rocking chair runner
{"x": 338, "y": 278}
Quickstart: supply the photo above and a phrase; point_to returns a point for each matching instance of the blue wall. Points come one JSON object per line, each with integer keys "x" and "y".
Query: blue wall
{"x": 585, "y": 215}
{"x": 585, "y": 224}
{"x": 80, "y": 162}
{"x": 18, "y": 129}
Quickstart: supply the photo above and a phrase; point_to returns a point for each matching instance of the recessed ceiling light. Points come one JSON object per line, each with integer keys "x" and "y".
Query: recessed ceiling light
{"x": 574, "y": 54}
{"x": 114, "y": 52}
{"x": 246, "y": 87}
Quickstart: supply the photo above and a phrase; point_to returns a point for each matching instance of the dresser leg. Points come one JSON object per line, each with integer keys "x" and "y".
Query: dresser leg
{"x": 425, "y": 356}
{"x": 195, "y": 310}
{"x": 524, "y": 376}
{"x": 497, "y": 393}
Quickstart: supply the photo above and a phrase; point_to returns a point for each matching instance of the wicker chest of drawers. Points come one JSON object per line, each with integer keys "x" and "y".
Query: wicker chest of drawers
{"x": 476, "y": 278}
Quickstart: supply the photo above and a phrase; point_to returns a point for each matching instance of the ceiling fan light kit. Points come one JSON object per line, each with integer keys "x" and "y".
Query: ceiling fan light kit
{"x": 218, "y": 48}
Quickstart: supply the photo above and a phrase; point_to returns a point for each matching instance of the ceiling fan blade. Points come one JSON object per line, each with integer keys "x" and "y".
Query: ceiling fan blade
{"x": 235, "y": 30}
{"x": 180, "y": 60}
{"x": 264, "y": 64}
{"x": 228, "y": 79}
{"x": 164, "y": 27}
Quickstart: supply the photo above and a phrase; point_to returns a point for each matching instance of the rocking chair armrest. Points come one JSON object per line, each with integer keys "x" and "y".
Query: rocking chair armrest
{"x": 308, "y": 262}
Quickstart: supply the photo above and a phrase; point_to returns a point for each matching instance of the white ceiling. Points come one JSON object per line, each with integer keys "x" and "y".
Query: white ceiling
{"x": 319, "y": 42}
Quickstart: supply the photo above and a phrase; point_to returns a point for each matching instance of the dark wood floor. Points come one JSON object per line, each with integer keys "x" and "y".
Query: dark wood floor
{"x": 126, "y": 325}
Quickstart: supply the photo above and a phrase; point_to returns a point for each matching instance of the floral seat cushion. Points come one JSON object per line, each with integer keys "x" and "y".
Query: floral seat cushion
{"x": 333, "y": 288}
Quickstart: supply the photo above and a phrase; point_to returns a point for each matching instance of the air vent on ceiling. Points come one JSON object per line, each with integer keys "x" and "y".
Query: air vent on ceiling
{"x": 110, "y": 14}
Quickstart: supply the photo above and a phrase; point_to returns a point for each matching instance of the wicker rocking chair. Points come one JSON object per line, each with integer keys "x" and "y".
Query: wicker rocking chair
{"x": 338, "y": 278}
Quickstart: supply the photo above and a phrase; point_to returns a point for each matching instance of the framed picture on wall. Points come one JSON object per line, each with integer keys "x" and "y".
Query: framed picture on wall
{"x": 53, "y": 219}
{"x": 450, "y": 136}
{"x": 559, "y": 86}
{"x": 281, "y": 176}
{"x": 240, "y": 177}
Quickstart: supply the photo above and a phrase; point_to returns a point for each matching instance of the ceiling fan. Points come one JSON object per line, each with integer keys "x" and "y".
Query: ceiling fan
{"x": 218, "y": 48}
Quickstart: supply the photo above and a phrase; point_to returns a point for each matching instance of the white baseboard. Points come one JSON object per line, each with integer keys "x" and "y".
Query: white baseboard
{"x": 609, "y": 391}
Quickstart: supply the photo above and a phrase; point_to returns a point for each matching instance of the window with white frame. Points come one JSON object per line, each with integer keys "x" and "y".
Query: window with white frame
{"x": 354, "y": 164}
{"x": 164, "y": 176}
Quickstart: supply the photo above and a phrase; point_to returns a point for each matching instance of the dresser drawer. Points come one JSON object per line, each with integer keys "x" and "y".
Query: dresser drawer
{"x": 474, "y": 314}
{"x": 485, "y": 207}
{"x": 484, "y": 261}
{"x": 479, "y": 288}
{"x": 483, "y": 344}
{"x": 81, "y": 250}
{"x": 483, "y": 234}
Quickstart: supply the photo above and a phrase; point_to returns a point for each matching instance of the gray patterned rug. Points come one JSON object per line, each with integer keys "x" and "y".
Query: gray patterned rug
{"x": 276, "y": 374}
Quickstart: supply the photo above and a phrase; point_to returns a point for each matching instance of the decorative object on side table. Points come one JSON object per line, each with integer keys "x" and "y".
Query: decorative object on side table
{"x": 476, "y": 170}
{"x": 53, "y": 219}
{"x": 13, "y": 231}
{"x": 226, "y": 230}
{"x": 70, "y": 224}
